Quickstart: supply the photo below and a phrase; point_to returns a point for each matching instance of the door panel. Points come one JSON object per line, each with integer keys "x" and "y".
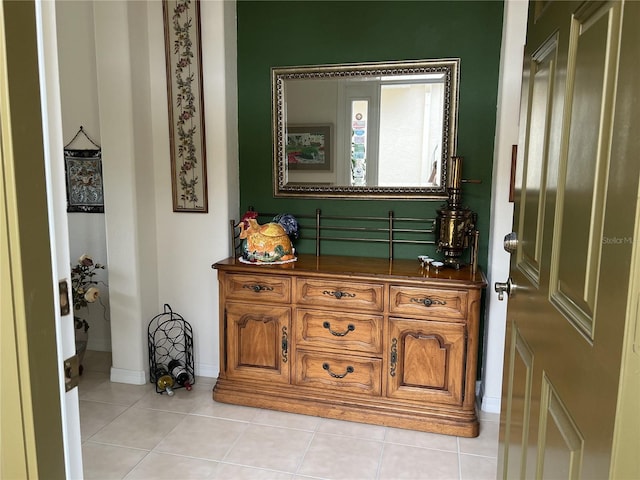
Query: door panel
{"x": 519, "y": 405}
{"x": 542, "y": 75}
{"x": 576, "y": 195}
{"x": 593, "y": 43}
{"x": 560, "y": 444}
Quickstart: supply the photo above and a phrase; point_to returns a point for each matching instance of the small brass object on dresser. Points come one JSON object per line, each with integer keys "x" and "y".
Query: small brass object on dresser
{"x": 456, "y": 224}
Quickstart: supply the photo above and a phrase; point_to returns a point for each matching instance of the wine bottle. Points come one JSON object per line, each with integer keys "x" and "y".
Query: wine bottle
{"x": 164, "y": 380}
{"x": 180, "y": 374}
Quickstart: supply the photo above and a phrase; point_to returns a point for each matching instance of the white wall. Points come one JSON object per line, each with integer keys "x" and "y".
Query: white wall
{"x": 155, "y": 256}
{"x": 189, "y": 243}
{"x": 77, "y": 70}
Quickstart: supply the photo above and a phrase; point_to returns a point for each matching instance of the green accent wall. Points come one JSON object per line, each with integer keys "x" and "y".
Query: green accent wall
{"x": 277, "y": 33}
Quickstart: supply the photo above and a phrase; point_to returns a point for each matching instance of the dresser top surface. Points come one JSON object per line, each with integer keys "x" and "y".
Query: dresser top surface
{"x": 328, "y": 265}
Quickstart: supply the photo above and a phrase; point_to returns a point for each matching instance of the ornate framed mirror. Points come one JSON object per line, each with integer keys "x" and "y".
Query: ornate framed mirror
{"x": 368, "y": 130}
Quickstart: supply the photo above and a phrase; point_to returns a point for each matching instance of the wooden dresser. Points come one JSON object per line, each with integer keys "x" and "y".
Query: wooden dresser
{"x": 362, "y": 339}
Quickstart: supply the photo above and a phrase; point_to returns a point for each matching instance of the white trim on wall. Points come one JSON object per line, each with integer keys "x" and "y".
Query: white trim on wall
{"x": 510, "y": 81}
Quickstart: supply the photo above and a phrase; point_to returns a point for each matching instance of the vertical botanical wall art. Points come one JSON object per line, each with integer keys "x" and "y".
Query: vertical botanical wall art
{"x": 186, "y": 113}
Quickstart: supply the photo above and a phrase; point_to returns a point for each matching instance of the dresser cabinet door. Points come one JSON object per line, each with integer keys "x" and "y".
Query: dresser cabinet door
{"x": 426, "y": 361}
{"x": 257, "y": 341}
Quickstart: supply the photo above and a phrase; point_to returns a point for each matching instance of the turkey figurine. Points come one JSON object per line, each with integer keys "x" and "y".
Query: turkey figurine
{"x": 268, "y": 243}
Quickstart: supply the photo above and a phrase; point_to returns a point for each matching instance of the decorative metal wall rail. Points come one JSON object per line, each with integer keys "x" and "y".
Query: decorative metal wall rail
{"x": 321, "y": 228}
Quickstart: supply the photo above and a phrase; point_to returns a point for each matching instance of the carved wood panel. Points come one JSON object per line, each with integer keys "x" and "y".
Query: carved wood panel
{"x": 429, "y": 362}
{"x": 260, "y": 339}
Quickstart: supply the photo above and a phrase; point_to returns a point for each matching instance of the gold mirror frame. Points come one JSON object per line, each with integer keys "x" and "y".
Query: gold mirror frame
{"x": 279, "y": 76}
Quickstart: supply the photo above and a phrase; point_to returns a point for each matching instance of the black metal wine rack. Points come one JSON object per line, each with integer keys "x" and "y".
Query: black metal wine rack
{"x": 170, "y": 338}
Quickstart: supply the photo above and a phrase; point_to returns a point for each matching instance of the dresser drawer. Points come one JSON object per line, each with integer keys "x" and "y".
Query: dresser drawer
{"x": 429, "y": 302}
{"x": 340, "y": 294}
{"x": 339, "y": 372}
{"x": 269, "y": 288}
{"x": 344, "y": 331}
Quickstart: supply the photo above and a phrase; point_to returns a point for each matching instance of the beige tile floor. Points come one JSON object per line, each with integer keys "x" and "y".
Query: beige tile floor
{"x": 131, "y": 432}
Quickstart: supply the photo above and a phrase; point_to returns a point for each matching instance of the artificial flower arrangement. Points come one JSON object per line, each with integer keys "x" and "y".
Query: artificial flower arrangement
{"x": 84, "y": 286}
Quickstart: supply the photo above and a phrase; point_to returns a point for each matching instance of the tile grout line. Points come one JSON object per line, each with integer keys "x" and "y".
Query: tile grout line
{"x": 458, "y": 457}
{"x": 306, "y": 450}
{"x": 128, "y": 407}
{"x": 243, "y": 465}
{"x": 109, "y": 444}
{"x": 136, "y": 465}
{"x": 380, "y": 457}
{"x": 384, "y": 444}
{"x": 246, "y": 427}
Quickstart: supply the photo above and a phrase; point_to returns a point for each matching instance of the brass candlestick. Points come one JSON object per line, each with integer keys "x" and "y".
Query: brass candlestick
{"x": 455, "y": 224}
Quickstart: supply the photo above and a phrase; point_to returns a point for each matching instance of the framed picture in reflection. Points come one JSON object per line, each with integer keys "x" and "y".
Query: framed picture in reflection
{"x": 309, "y": 147}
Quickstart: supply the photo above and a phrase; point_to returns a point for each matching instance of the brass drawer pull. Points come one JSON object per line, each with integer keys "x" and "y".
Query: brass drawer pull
{"x": 258, "y": 288}
{"x": 339, "y": 294}
{"x": 427, "y": 302}
{"x": 326, "y": 366}
{"x": 350, "y": 328}
{"x": 285, "y": 345}
{"x": 393, "y": 360}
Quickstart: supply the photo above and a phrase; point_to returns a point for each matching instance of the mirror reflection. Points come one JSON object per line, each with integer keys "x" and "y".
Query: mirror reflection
{"x": 383, "y": 130}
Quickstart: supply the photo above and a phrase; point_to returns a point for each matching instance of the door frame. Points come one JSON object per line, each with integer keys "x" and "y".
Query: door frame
{"x": 508, "y": 113}
{"x": 40, "y": 431}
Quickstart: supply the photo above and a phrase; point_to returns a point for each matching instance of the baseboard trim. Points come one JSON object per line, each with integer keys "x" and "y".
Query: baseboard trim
{"x": 490, "y": 404}
{"x": 135, "y": 377}
{"x": 207, "y": 370}
{"x": 132, "y": 377}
